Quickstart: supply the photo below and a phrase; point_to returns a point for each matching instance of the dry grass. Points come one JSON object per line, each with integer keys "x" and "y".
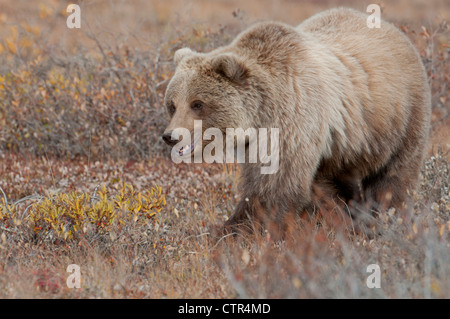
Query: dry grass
{"x": 81, "y": 109}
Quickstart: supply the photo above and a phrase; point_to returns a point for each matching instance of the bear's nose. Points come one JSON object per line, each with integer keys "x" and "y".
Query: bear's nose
{"x": 167, "y": 137}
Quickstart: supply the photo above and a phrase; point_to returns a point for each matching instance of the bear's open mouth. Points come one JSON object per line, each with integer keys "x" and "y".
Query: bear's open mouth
{"x": 188, "y": 148}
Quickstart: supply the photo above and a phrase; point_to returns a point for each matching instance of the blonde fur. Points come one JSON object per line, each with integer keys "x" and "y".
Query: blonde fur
{"x": 352, "y": 105}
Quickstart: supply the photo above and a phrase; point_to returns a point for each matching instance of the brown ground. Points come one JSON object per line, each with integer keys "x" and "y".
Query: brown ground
{"x": 81, "y": 108}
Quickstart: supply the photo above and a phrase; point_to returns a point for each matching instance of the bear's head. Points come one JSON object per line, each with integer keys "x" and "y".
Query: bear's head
{"x": 210, "y": 87}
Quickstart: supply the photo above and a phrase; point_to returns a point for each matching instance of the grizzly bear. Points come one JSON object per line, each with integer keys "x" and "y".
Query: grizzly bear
{"x": 352, "y": 104}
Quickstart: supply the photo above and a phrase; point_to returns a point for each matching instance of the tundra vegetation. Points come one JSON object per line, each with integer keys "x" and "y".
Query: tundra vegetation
{"x": 85, "y": 178}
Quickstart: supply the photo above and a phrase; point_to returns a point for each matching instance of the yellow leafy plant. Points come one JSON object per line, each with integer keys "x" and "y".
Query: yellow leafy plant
{"x": 65, "y": 215}
{"x": 8, "y": 213}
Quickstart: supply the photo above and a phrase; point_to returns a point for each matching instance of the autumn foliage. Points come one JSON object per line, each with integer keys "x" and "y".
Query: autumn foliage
{"x": 86, "y": 179}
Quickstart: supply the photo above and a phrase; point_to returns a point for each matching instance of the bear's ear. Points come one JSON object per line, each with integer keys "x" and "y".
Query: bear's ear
{"x": 230, "y": 67}
{"x": 180, "y": 54}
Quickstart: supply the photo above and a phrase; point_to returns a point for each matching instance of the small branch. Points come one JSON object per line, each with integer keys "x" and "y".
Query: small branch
{"x": 94, "y": 196}
{"x": 31, "y": 197}
{"x": 6, "y": 229}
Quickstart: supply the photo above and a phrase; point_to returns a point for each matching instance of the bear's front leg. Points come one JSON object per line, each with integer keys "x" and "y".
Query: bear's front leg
{"x": 242, "y": 218}
{"x": 252, "y": 214}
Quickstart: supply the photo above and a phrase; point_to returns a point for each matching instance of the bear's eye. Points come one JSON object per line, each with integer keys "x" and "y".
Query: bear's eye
{"x": 197, "y": 105}
{"x": 171, "y": 108}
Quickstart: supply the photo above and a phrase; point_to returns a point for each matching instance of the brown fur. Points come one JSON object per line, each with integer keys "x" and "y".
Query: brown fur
{"x": 352, "y": 105}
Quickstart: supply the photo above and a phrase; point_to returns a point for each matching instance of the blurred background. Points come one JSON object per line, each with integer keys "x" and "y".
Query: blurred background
{"x": 97, "y": 91}
{"x": 148, "y": 19}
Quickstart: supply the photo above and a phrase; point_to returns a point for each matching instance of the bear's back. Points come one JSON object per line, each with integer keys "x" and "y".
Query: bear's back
{"x": 385, "y": 71}
{"x": 345, "y": 32}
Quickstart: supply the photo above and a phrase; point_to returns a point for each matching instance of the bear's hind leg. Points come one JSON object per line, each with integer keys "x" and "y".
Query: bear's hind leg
{"x": 389, "y": 188}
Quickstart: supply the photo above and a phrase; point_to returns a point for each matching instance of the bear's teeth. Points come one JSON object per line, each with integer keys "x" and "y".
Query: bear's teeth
{"x": 186, "y": 149}
{"x": 183, "y": 150}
